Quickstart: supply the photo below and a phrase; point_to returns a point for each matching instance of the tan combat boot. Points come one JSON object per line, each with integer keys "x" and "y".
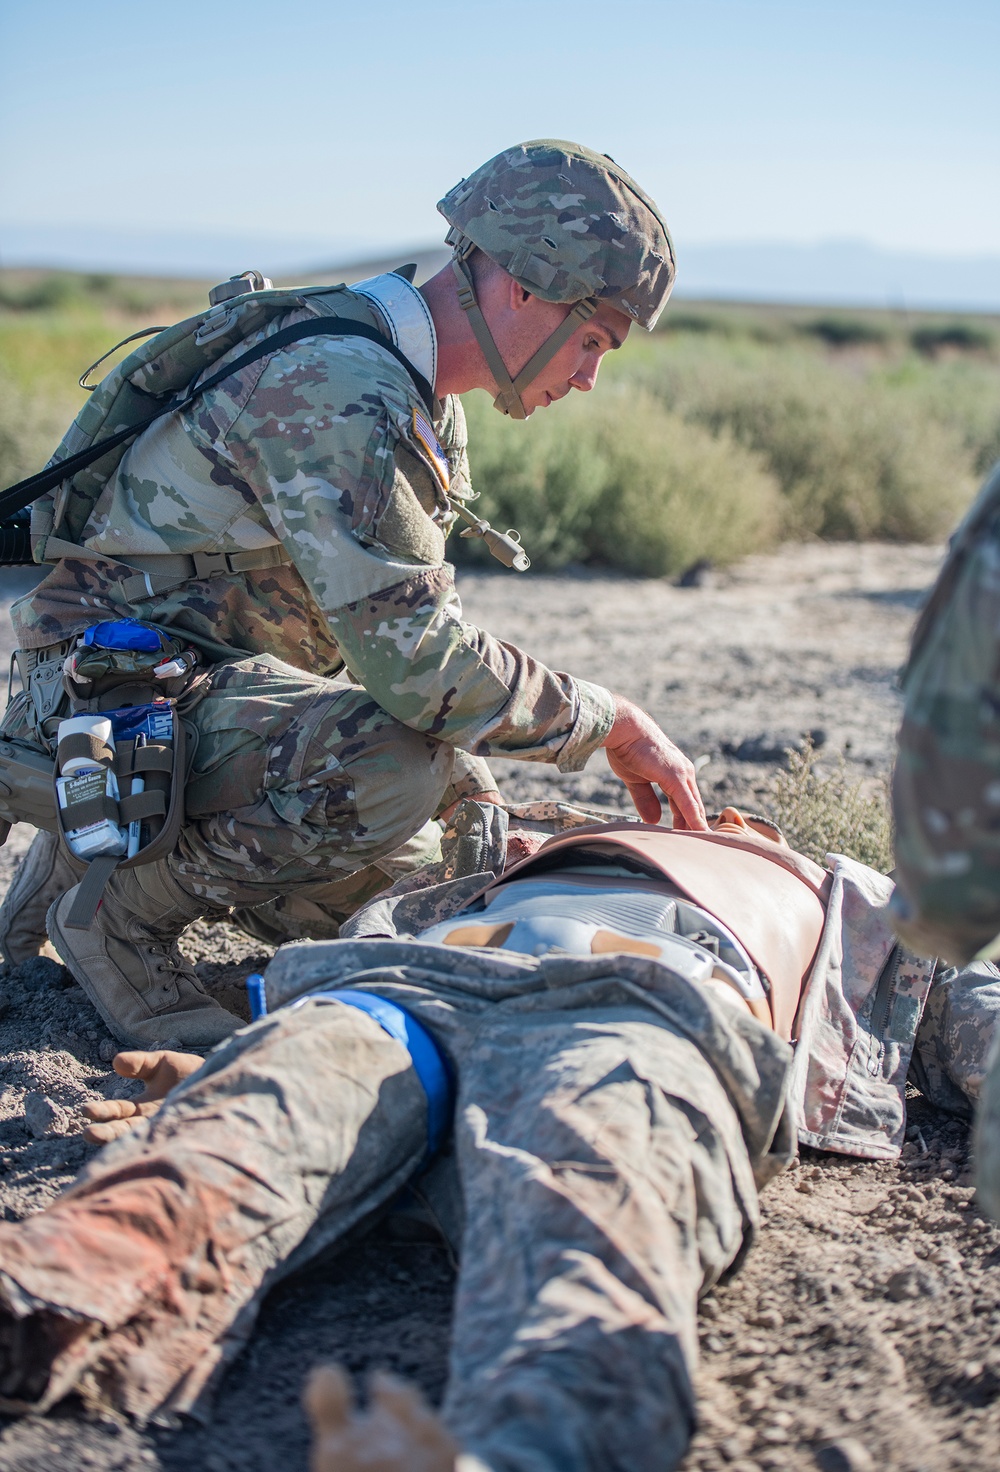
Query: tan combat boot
{"x": 129, "y": 965}
{"x": 42, "y": 877}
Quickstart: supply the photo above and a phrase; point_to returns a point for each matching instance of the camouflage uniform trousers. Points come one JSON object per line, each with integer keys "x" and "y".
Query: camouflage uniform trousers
{"x": 305, "y": 798}
{"x": 605, "y": 1175}
{"x": 297, "y": 783}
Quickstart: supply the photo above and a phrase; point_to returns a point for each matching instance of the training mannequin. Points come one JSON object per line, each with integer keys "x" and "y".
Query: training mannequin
{"x": 614, "y": 1120}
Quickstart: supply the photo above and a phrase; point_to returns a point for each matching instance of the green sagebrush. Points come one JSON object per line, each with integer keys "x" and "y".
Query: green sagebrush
{"x": 619, "y": 480}
{"x": 821, "y": 809}
{"x": 730, "y": 432}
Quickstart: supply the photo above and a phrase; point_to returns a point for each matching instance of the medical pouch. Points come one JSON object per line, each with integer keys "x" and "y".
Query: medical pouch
{"x": 141, "y": 680}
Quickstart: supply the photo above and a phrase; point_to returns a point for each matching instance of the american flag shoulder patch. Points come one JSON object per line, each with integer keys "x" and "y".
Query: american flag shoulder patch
{"x": 424, "y": 432}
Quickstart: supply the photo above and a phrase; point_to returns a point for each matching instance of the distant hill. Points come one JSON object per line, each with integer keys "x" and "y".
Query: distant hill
{"x": 835, "y": 273}
{"x": 830, "y": 272}
{"x": 838, "y": 272}
{"x": 427, "y": 259}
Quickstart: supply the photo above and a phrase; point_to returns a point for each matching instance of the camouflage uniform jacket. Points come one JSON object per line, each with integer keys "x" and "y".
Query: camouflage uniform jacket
{"x": 324, "y": 448}
{"x": 872, "y": 1014}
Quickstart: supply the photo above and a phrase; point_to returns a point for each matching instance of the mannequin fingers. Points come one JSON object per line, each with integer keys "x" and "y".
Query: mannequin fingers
{"x": 160, "y": 1071}
{"x": 401, "y": 1404}
{"x": 328, "y": 1401}
{"x": 103, "y": 1134}
{"x": 104, "y": 1110}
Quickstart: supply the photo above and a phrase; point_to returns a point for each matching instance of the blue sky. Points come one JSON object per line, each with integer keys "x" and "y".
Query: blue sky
{"x": 335, "y": 127}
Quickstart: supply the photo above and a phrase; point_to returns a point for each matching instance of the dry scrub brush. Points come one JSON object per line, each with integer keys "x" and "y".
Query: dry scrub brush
{"x": 822, "y": 810}
{"x": 710, "y": 444}
{"x": 856, "y": 454}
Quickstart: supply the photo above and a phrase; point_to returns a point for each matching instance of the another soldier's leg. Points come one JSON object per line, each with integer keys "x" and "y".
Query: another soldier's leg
{"x": 606, "y": 1183}
{"x": 958, "y": 1033}
{"x": 960, "y": 1020}
{"x": 43, "y": 876}
{"x": 946, "y": 782}
{"x": 988, "y": 1137}
{"x": 140, "y": 1282}
{"x": 294, "y": 781}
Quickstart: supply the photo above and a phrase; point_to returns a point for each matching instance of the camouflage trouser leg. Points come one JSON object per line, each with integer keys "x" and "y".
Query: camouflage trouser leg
{"x": 960, "y": 1019}
{"x": 296, "y": 782}
{"x": 317, "y": 911}
{"x": 987, "y": 1146}
{"x": 295, "y": 1130}
{"x": 606, "y": 1183}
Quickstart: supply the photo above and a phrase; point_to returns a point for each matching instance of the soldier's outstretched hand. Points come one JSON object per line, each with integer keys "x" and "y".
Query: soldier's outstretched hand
{"x": 641, "y": 755}
{"x": 397, "y": 1433}
{"x": 160, "y": 1072}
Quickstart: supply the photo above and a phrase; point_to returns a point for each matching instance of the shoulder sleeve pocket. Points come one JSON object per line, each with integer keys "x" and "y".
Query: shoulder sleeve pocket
{"x": 405, "y": 526}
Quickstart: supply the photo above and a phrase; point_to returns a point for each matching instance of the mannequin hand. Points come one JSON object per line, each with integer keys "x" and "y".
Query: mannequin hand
{"x": 640, "y": 754}
{"x": 397, "y": 1433}
{"x": 160, "y": 1072}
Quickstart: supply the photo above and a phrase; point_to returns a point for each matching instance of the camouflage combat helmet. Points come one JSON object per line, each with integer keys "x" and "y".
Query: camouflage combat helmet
{"x": 570, "y": 226}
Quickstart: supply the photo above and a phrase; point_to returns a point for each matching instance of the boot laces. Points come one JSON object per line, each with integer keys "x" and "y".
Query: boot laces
{"x": 168, "y": 960}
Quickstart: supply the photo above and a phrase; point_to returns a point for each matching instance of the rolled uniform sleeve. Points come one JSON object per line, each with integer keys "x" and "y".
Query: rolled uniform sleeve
{"x": 326, "y": 442}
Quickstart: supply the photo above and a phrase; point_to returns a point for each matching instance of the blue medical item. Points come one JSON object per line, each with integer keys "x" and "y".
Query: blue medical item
{"x": 122, "y": 633}
{"x": 256, "y": 995}
{"x": 151, "y": 722}
{"x": 428, "y": 1060}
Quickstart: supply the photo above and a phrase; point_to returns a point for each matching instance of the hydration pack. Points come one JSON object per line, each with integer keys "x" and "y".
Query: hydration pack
{"x": 154, "y": 380}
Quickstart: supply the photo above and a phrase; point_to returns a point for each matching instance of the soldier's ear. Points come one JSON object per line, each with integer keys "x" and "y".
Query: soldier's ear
{"x": 518, "y": 297}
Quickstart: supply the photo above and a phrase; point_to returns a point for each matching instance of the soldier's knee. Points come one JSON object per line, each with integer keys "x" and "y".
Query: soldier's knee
{"x": 399, "y": 778}
{"x": 383, "y": 780}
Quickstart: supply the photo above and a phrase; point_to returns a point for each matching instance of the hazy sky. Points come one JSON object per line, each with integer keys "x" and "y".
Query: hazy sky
{"x": 324, "y": 122}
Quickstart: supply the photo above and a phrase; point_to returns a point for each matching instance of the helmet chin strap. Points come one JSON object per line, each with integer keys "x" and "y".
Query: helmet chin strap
{"x": 508, "y": 400}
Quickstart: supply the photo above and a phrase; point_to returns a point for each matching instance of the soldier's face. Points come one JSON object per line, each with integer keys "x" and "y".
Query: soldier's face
{"x": 577, "y": 364}
{"x": 521, "y": 323}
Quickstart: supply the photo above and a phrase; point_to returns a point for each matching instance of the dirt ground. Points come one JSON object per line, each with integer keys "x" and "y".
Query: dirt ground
{"x": 865, "y": 1327}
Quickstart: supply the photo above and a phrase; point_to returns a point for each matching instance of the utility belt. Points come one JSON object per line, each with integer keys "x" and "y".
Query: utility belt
{"x": 94, "y": 748}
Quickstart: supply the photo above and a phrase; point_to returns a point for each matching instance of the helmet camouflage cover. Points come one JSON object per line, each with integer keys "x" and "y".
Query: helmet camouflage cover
{"x": 568, "y": 224}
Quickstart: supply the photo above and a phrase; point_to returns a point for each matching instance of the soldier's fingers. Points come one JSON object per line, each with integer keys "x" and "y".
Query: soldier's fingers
{"x": 103, "y": 1134}
{"x": 693, "y": 808}
{"x": 686, "y": 804}
{"x": 101, "y": 1110}
{"x": 645, "y": 801}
